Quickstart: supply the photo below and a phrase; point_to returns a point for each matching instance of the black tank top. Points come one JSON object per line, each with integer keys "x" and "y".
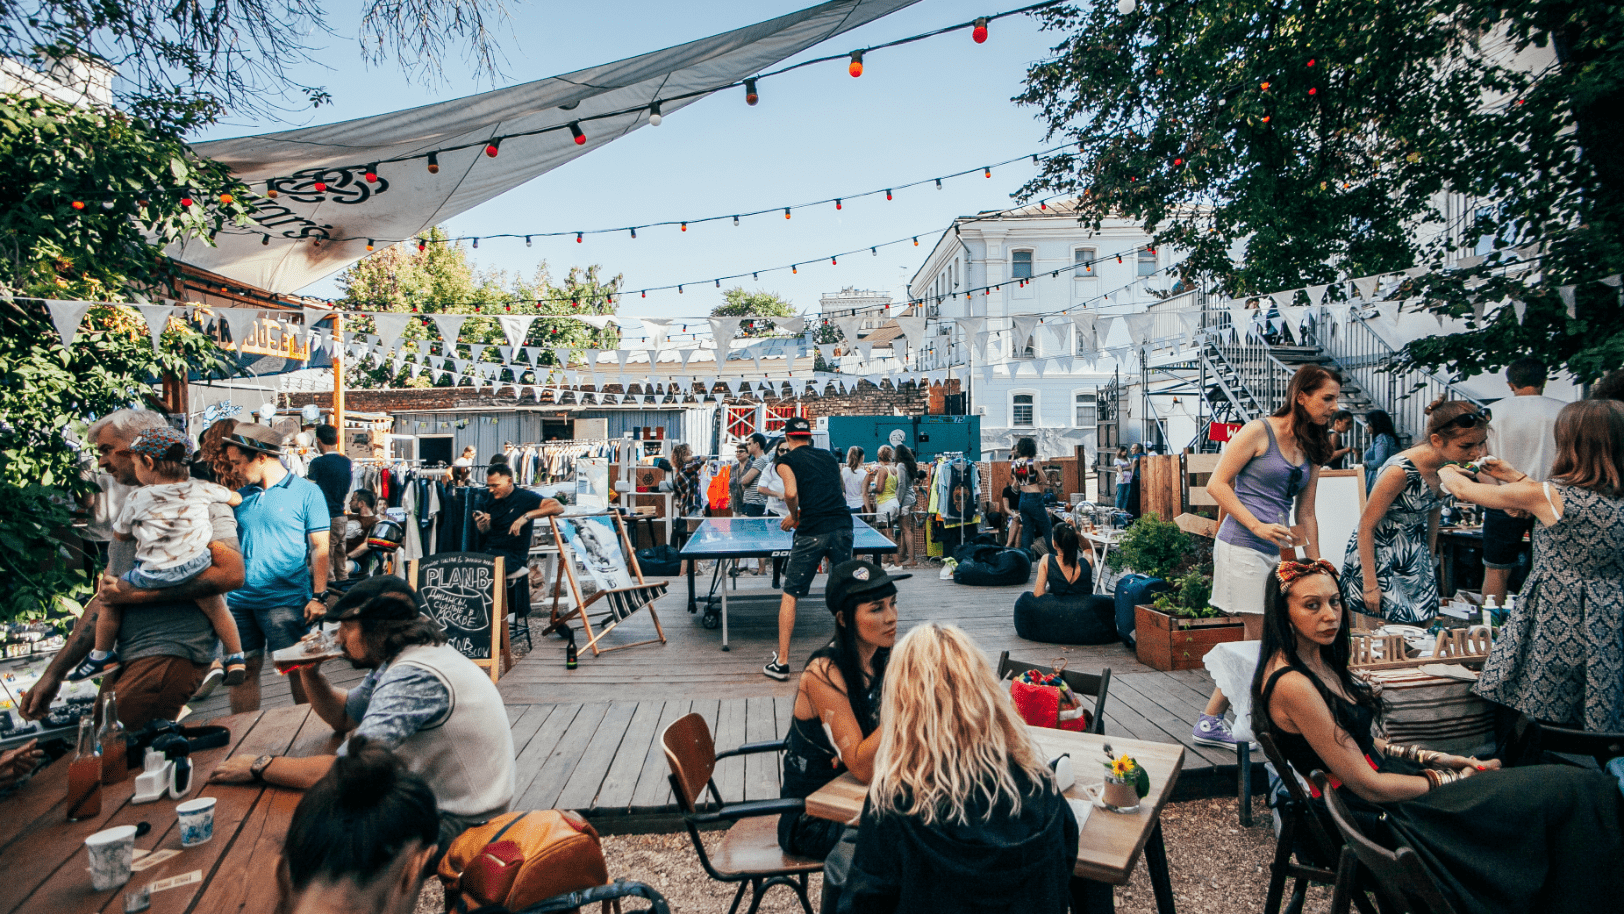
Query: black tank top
{"x": 1352, "y": 717}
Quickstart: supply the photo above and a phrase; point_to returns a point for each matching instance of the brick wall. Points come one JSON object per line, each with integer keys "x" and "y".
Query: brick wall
{"x": 866, "y": 399}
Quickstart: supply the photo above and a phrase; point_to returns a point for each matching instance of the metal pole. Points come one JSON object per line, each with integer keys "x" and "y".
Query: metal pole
{"x": 338, "y": 378}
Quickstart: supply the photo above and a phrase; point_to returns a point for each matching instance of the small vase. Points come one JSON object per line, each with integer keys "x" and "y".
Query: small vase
{"x": 1119, "y": 795}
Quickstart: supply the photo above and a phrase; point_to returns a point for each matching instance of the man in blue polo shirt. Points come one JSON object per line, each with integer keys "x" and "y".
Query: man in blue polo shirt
{"x": 283, "y": 525}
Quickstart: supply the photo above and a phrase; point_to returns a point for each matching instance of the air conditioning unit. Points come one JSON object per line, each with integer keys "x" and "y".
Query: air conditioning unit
{"x": 981, "y": 410}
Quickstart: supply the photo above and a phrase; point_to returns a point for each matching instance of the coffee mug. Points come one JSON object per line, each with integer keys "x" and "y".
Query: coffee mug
{"x": 111, "y": 852}
{"x": 196, "y": 821}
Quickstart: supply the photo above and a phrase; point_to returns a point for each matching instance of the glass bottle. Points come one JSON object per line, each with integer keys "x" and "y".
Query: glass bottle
{"x": 570, "y": 656}
{"x": 111, "y": 739}
{"x": 84, "y": 774}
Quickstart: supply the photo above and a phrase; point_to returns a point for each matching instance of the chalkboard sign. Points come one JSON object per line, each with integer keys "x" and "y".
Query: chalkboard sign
{"x": 464, "y": 592}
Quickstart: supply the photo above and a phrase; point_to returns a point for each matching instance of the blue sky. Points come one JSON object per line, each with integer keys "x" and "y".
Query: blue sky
{"x": 926, "y": 109}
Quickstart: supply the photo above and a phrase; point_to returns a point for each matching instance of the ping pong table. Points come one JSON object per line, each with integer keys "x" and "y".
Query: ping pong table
{"x": 728, "y": 539}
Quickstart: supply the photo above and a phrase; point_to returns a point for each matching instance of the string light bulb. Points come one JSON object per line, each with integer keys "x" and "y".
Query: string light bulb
{"x": 1124, "y": 7}
{"x": 938, "y": 183}
{"x": 837, "y": 203}
{"x": 888, "y": 193}
{"x": 685, "y": 226}
{"x": 575, "y": 131}
{"x": 634, "y": 234}
{"x": 527, "y": 241}
{"x": 77, "y": 204}
{"x": 577, "y": 237}
{"x": 750, "y": 95}
{"x": 916, "y": 241}
{"x": 856, "y": 67}
{"x": 369, "y": 244}
{"x": 875, "y": 251}
{"x": 986, "y": 171}
{"x": 264, "y": 240}
{"x": 979, "y": 33}
{"x": 434, "y": 163}
{"x": 833, "y": 262}
{"x": 476, "y": 244}
{"x": 270, "y": 189}
{"x": 794, "y": 268}
{"x": 372, "y": 173}
{"x": 654, "y": 116}
{"x": 320, "y": 186}
{"x": 735, "y": 221}
{"x": 493, "y": 148}
{"x": 786, "y": 212}
{"x": 422, "y": 245}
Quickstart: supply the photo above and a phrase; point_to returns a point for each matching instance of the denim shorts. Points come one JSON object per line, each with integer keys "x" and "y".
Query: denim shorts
{"x": 807, "y": 552}
{"x": 173, "y": 576}
{"x": 269, "y": 629}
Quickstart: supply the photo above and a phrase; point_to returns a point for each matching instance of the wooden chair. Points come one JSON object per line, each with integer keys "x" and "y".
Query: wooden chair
{"x": 1307, "y": 832}
{"x": 1531, "y": 740}
{"x": 1398, "y": 877}
{"x": 1081, "y": 683}
{"x": 749, "y": 853}
{"x": 618, "y": 603}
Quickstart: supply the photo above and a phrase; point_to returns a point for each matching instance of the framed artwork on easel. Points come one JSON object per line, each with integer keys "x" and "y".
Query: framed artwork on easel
{"x": 595, "y": 550}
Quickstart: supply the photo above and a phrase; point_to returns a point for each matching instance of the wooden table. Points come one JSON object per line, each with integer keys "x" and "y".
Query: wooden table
{"x": 46, "y": 866}
{"x": 1109, "y": 845}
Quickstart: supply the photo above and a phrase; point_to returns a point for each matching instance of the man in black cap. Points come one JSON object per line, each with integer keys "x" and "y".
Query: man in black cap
{"x": 436, "y": 709}
{"x": 816, "y": 502}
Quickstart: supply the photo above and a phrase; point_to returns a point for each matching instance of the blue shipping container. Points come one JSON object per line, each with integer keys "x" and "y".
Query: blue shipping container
{"x": 926, "y": 436}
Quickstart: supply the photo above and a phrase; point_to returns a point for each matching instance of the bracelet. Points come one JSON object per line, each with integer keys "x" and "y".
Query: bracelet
{"x": 1521, "y": 478}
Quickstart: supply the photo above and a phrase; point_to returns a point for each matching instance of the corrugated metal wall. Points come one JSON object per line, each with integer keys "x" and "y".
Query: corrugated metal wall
{"x": 488, "y": 431}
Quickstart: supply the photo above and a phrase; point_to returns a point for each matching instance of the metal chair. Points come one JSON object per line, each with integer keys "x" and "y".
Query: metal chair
{"x": 1081, "y": 683}
{"x": 1306, "y": 832}
{"x": 1531, "y": 740}
{"x": 1399, "y": 879}
{"x": 604, "y": 894}
{"x": 749, "y": 853}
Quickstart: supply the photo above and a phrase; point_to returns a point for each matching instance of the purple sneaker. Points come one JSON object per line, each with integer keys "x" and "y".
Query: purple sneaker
{"x": 1214, "y": 731}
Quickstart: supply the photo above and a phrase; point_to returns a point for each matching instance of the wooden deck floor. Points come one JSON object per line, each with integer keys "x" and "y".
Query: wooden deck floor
{"x": 587, "y": 738}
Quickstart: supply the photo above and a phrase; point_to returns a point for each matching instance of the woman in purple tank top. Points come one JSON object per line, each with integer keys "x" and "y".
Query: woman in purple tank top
{"x": 1268, "y": 472}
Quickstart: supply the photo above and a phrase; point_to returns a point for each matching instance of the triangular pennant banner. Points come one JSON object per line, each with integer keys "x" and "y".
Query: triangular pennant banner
{"x": 241, "y": 322}
{"x": 1024, "y": 323}
{"x": 313, "y": 316}
{"x": 1569, "y": 299}
{"x": 516, "y": 327}
{"x": 655, "y": 330}
{"x": 792, "y": 324}
{"x": 449, "y": 325}
{"x": 157, "y": 318}
{"x": 390, "y": 326}
{"x": 722, "y": 330}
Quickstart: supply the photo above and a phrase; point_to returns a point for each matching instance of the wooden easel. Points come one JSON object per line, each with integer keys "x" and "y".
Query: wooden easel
{"x": 621, "y": 602}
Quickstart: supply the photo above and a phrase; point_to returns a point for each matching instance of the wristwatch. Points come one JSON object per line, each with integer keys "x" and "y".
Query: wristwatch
{"x": 257, "y": 769}
{"x": 321, "y": 597}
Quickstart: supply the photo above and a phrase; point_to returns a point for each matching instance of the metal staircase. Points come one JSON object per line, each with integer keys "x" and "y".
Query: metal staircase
{"x": 1246, "y": 373}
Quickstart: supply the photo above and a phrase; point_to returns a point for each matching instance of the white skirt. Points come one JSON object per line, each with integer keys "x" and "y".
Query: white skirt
{"x": 1239, "y": 575}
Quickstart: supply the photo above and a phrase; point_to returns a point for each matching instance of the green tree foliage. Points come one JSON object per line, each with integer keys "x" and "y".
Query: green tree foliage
{"x": 51, "y": 156}
{"x": 736, "y": 302}
{"x": 1321, "y": 136}
{"x": 441, "y": 280}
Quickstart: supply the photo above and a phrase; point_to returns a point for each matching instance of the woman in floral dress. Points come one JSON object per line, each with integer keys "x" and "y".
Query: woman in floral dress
{"x": 1560, "y": 657}
{"x": 1390, "y": 569}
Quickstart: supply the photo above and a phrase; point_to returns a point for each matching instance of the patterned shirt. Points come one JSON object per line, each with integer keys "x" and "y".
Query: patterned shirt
{"x": 170, "y": 521}
{"x": 391, "y": 705}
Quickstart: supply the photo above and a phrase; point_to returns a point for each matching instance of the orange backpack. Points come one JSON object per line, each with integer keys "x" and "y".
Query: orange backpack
{"x": 521, "y": 858}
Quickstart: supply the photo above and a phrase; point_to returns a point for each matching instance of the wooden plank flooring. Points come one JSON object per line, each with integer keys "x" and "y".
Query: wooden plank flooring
{"x": 589, "y": 738}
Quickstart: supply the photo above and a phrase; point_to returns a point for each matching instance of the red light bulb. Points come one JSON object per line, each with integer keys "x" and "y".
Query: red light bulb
{"x": 856, "y": 68}
{"x": 750, "y": 94}
{"x": 575, "y": 131}
{"x": 786, "y": 212}
{"x": 577, "y": 237}
{"x": 372, "y": 174}
{"x": 685, "y": 226}
{"x": 78, "y": 204}
{"x": 979, "y": 33}
{"x": 321, "y": 187}
{"x": 493, "y": 148}
{"x": 1178, "y": 161}
{"x": 837, "y": 203}
{"x": 888, "y": 193}
{"x": 1313, "y": 91}
{"x": 434, "y": 163}
{"x": 185, "y": 201}
{"x": 1311, "y": 61}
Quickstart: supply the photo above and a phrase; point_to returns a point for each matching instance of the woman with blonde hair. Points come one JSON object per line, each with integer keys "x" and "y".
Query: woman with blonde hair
{"x": 963, "y": 814}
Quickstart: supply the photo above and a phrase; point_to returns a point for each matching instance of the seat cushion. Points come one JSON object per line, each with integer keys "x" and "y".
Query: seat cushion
{"x": 751, "y": 847}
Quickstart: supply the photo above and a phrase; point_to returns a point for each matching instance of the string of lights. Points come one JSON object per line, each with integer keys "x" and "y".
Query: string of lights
{"x": 580, "y": 235}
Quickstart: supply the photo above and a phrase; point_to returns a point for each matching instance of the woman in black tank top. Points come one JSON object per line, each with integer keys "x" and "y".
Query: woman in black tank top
{"x": 1536, "y": 838}
{"x": 835, "y": 727}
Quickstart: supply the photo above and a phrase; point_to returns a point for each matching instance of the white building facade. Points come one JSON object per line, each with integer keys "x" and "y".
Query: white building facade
{"x": 1034, "y": 269}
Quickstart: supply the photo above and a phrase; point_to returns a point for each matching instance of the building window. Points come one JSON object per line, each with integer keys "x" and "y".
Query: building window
{"x": 1083, "y": 258}
{"x": 1084, "y": 410}
{"x": 1147, "y": 262}
{"x": 1022, "y": 410}
{"x": 1020, "y": 265}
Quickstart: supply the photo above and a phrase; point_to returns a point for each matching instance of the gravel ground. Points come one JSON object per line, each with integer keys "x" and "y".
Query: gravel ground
{"x": 1217, "y": 867}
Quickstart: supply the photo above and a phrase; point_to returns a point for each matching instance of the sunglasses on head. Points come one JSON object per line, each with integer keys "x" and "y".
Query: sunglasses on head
{"x": 1470, "y": 420}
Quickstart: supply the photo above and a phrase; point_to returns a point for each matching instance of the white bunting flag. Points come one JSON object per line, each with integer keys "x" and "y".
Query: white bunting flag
{"x": 449, "y": 325}
{"x": 390, "y": 326}
{"x": 654, "y": 332}
{"x": 1569, "y": 299}
{"x": 1024, "y": 324}
{"x": 157, "y": 318}
{"x": 516, "y": 327}
{"x": 792, "y": 324}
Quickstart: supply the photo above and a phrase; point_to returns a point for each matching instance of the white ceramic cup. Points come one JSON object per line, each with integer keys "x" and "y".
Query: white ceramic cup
{"x": 111, "y": 853}
{"x": 196, "y": 821}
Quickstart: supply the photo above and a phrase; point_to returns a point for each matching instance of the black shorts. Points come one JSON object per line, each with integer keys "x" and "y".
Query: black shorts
{"x": 1503, "y": 538}
{"x": 808, "y": 552}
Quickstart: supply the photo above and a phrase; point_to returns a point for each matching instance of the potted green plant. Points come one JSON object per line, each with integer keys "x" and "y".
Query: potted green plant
{"x": 1179, "y": 626}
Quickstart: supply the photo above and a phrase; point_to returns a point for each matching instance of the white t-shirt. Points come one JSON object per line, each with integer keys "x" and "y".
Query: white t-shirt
{"x": 852, "y": 481}
{"x": 772, "y": 488}
{"x": 1523, "y": 433}
{"x": 170, "y": 521}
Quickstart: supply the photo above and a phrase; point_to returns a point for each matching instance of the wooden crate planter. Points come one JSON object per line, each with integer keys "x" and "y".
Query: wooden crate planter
{"x": 1173, "y": 643}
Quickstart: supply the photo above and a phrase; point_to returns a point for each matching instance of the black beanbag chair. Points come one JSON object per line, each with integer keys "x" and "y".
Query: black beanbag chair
{"x": 991, "y": 566}
{"x": 660, "y": 561}
{"x": 1078, "y": 619}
